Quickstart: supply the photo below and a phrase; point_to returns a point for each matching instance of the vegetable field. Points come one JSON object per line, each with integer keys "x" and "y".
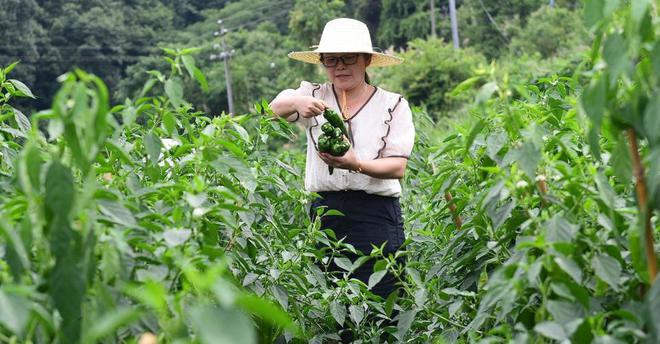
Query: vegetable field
{"x": 534, "y": 221}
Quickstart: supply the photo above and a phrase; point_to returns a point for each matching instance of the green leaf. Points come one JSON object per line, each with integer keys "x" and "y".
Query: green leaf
{"x": 638, "y": 11}
{"x": 14, "y": 132}
{"x": 23, "y": 90}
{"x": 652, "y": 119}
{"x": 570, "y": 267}
{"x": 153, "y": 145}
{"x": 593, "y": 12}
{"x": 593, "y": 100}
{"x": 67, "y": 288}
{"x": 174, "y": 91}
{"x": 621, "y": 161}
{"x": 476, "y": 129}
{"x": 607, "y": 269}
{"x": 652, "y": 311}
{"x": 11, "y": 67}
{"x": 655, "y": 57}
{"x": 22, "y": 121}
{"x": 147, "y": 87}
{"x": 356, "y": 313}
{"x": 151, "y": 294}
{"x": 214, "y": 325}
{"x": 108, "y": 324}
{"x": 176, "y": 237}
{"x": 485, "y": 92}
{"x": 403, "y": 325}
{"x": 14, "y": 311}
{"x": 494, "y": 143}
{"x": 571, "y": 291}
{"x": 616, "y": 56}
{"x": 29, "y": 169}
{"x": 188, "y": 51}
{"x": 560, "y": 230}
{"x": 593, "y": 140}
{"x": 281, "y": 295}
{"x": 119, "y": 150}
{"x": 338, "y": 312}
{"x": 376, "y": 277}
{"x": 243, "y": 134}
{"x": 59, "y": 191}
{"x": 610, "y": 7}
{"x": 499, "y": 215}
{"x": 653, "y": 177}
{"x": 343, "y": 263}
{"x": 464, "y": 85}
{"x": 267, "y": 311}
{"x": 529, "y": 156}
{"x": 605, "y": 191}
{"x": 551, "y": 329}
{"x": 189, "y": 63}
{"x": 17, "y": 254}
{"x": 195, "y": 72}
{"x": 638, "y": 254}
{"x": 102, "y": 105}
{"x": 232, "y": 147}
{"x": 117, "y": 213}
{"x": 169, "y": 122}
{"x": 564, "y": 312}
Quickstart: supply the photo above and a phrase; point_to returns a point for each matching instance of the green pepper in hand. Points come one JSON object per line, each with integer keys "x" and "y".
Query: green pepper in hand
{"x": 332, "y": 138}
{"x": 334, "y": 119}
{"x": 339, "y": 148}
{"x": 337, "y": 134}
{"x": 328, "y": 128}
{"x": 324, "y": 144}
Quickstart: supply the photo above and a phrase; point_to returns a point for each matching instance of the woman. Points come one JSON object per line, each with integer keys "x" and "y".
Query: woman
{"x": 365, "y": 184}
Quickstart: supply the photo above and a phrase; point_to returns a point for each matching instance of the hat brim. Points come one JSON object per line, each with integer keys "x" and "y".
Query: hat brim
{"x": 377, "y": 59}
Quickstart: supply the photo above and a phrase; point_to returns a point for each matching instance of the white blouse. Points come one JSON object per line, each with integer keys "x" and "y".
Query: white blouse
{"x": 382, "y": 128}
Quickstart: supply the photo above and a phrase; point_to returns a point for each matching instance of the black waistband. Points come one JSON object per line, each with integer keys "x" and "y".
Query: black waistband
{"x": 354, "y": 194}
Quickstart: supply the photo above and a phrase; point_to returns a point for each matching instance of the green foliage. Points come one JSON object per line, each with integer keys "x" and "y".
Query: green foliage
{"x": 488, "y": 26}
{"x": 308, "y": 18}
{"x": 621, "y": 101}
{"x": 550, "y": 31}
{"x": 402, "y": 21}
{"x": 150, "y": 216}
{"x": 111, "y": 237}
{"x": 432, "y": 68}
{"x": 259, "y": 67}
{"x": 20, "y": 26}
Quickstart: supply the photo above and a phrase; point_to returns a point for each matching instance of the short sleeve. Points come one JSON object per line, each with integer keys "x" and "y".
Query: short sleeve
{"x": 401, "y": 136}
{"x": 306, "y": 88}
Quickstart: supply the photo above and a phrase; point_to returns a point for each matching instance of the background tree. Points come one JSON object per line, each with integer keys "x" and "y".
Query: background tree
{"x": 432, "y": 68}
{"x": 22, "y": 35}
{"x": 549, "y": 31}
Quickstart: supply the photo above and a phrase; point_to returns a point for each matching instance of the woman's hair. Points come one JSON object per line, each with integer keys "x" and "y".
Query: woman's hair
{"x": 366, "y": 76}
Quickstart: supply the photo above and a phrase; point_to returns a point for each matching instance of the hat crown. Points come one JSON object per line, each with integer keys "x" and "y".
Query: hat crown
{"x": 345, "y": 35}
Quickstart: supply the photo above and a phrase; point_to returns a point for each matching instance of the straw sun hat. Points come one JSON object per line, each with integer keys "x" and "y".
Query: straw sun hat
{"x": 344, "y": 35}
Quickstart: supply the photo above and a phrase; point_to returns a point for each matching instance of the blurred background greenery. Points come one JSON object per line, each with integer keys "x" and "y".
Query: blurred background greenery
{"x": 119, "y": 41}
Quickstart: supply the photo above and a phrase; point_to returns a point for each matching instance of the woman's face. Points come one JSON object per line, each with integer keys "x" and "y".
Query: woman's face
{"x": 346, "y": 70}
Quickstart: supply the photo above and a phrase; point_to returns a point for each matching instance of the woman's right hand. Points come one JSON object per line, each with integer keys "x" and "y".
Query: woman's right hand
{"x": 308, "y": 106}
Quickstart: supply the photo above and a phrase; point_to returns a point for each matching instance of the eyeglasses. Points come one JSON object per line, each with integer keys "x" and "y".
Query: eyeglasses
{"x": 331, "y": 61}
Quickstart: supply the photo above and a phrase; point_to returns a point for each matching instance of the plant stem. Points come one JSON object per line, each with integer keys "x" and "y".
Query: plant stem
{"x": 642, "y": 200}
{"x": 452, "y": 208}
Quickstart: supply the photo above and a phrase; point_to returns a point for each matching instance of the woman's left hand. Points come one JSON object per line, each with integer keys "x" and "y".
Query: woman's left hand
{"x": 348, "y": 161}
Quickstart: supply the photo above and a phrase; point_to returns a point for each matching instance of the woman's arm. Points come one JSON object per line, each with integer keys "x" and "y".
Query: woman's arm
{"x": 383, "y": 168}
{"x": 306, "y": 106}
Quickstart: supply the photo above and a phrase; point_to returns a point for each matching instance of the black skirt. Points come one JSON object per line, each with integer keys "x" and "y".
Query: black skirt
{"x": 368, "y": 220}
